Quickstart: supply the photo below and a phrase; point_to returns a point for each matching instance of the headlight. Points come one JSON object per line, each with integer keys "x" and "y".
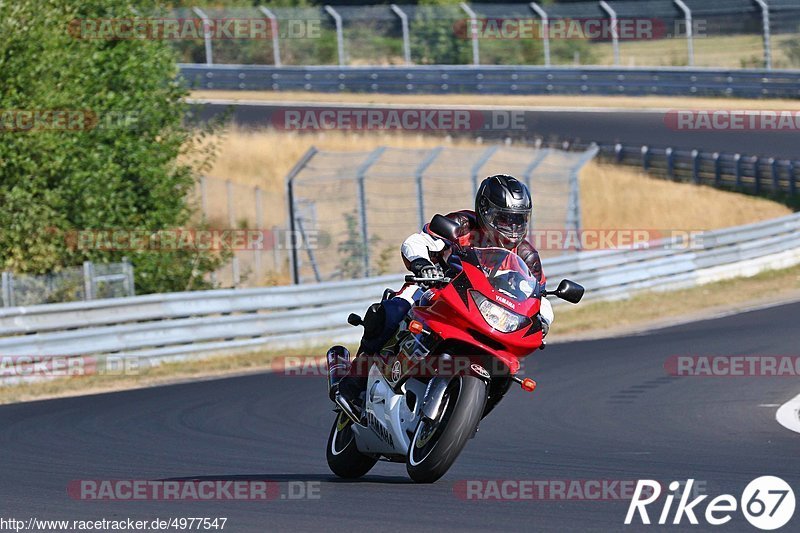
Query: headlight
{"x": 496, "y": 316}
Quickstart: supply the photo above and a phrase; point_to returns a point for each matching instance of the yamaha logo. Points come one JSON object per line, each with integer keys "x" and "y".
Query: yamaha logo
{"x": 396, "y": 368}
{"x": 478, "y": 369}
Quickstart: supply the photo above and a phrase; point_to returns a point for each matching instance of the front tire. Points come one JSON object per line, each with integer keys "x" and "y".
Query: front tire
{"x": 436, "y": 444}
{"x": 344, "y": 459}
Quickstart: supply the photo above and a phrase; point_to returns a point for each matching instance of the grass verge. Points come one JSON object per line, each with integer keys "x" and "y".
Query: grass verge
{"x": 650, "y": 308}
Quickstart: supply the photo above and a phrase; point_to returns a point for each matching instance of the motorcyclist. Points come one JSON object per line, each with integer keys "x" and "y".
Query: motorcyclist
{"x": 501, "y": 216}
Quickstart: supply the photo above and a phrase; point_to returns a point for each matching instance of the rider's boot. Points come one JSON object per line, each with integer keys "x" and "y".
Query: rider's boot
{"x": 347, "y": 382}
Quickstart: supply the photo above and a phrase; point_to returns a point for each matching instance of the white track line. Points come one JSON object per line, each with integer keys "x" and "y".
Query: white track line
{"x": 788, "y": 415}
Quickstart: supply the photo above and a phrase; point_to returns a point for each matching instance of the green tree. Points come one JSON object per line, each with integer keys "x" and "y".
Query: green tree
{"x": 118, "y": 167}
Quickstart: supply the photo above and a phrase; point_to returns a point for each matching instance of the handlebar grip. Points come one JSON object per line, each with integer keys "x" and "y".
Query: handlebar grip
{"x": 410, "y": 278}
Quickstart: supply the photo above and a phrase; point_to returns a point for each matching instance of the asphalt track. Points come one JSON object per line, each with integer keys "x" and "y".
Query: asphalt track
{"x": 604, "y": 409}
{"x": 605, "y": 126}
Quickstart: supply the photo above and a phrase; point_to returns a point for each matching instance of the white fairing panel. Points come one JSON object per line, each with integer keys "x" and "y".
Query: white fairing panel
{"x": 388, "y": 417}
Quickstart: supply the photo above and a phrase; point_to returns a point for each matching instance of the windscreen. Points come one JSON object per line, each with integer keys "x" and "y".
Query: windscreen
{"x": 506, "y": 272}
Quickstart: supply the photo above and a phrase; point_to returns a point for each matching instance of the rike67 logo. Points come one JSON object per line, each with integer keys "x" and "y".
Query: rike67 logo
{"x": 767, "y": 503}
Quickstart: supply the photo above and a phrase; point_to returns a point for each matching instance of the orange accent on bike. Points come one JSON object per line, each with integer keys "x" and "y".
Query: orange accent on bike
{"x": 416, "y": 327}
{"x": 528, "y": 385}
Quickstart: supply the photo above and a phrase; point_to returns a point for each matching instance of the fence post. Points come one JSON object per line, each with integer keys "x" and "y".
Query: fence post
{"x": 88, "y": 280}
{"x": 545, "y": 31}
{"x": 614, "y": 29}
{"x": 127, "y": 271}
{"x": 687, "y": 17}
{"x": 418, "y": 175}
{"x": 737, "y": 160}
{"x": 404, "y": 26}
{"x": 273, "y": 24}
{"x": 717, "y": 169}
{"x": 259, "y": 251}
{"x": 696, "y": 167}
{"x": 337, "y": 19}
{"x": 765, "y": 28}
{"x": 206, "y": 34}
{"x": 295, "y": 266}
{"x": 473, "y": 29}
{"x": 362, "y": 202}
{"x": 669, "y": 153}
{"x": 8, "y": 289}
{"x": 476, "y": 168}
{"x": 645, "y": 154}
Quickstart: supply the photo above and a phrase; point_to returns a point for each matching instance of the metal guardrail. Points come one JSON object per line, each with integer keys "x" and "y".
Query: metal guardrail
{"x": 680, "y": 81}
{"x": 193, "y": 323}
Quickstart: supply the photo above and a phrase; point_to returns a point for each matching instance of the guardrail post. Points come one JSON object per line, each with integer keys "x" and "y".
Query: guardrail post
{"x": 418, "y": 175}
{"x": 669, "y": 154}
{"x": 766, "y": 32}
{"x": 773, "y": 167}
{"x": 88, "y": 280}
{"x": 337, "y": 19}
{"x": 362, "y": 203}
{"x": 404, "y": 27}
{"x": 645, "y": 154}
{"x": 792, "y": 180}
{"x": 614, "y": 29}
{"x": 8, "y": 289}
{"x": 273, "y": 24}
{"x": 545, "y": 31}
{"x": 206, "y": 34}
{"x": 717, "y": 169}
{"x": 473, "y": 29}
{"x": 618, "y": 152}
{"x": 756, "y": 174}
{"x": 687, "y": 17}
{"x": 295, "y": 265}
{"x": 696, "y": 167}
{"x": 737, "y": 162}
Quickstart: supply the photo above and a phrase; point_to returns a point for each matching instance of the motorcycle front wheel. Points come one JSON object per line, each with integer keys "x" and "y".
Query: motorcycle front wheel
{"x": 344, "y": 459}
{"x": 437, "y": 443}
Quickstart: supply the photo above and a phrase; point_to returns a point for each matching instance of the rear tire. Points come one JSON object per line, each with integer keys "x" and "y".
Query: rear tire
{"x": 436, "y": 445}
{"x": 344, "y": 459}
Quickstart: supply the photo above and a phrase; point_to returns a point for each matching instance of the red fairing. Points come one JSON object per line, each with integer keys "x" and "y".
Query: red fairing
{"x": 452, "y": 319}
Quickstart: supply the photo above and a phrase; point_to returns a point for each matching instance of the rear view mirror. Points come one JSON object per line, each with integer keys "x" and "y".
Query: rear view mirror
{"x": 569, "y": 291}
{"x": 444, "y": 227}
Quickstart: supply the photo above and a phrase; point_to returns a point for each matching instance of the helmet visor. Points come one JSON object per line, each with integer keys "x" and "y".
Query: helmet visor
{"x": 509, "y": 223}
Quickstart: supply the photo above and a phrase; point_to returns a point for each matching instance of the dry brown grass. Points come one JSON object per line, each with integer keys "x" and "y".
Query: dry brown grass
{"x": 621, "y": 197}
{"x": 627, "y": 102}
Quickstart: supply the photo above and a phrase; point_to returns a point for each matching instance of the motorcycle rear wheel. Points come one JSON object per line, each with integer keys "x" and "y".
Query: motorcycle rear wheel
{"x": 344, "y": 459}
{"x": 436, "y": 444}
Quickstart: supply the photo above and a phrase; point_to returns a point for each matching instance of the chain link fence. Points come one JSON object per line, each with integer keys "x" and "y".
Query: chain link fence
{"x": 646, "y": 33}
{"x": 88, "y": 282}
{"x": 350, "y": 211}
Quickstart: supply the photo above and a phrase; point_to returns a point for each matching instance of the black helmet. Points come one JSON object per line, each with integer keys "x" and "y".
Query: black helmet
{"x": 503, "y": 206}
